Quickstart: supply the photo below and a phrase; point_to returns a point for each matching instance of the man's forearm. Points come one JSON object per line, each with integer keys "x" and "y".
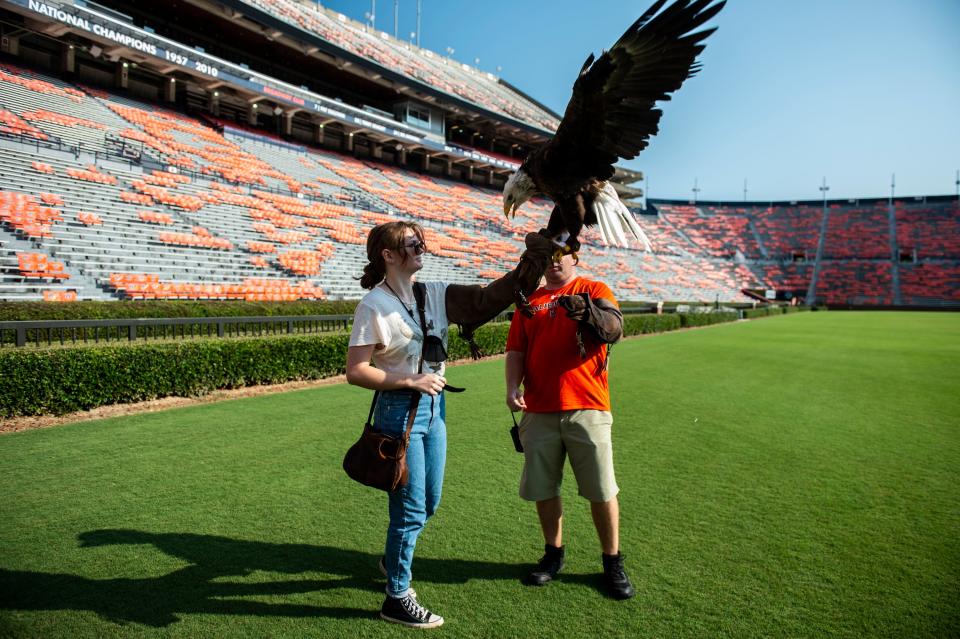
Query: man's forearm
{"x": 514, "y": 369}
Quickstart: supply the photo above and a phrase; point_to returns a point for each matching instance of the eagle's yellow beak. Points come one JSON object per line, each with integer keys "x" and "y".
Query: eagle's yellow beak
{"x": 510, "y": 208}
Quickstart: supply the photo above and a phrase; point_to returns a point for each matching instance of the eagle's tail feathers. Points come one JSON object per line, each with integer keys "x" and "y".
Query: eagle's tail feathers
{"x": 615, "y": 220}
{"x": 607, "y": 208}
{"x": 600, "y": 210}
{"x": 638, "y": 231}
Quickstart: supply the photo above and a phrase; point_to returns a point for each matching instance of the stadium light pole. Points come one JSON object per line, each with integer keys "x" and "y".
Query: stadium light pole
{"x": 956, "y": 183}
{"x": 396, "y": 17}
{"x": 823, "y": 189}
{"x": 695, "y": 190}
{"x": 419, "y": 11}
{"x": 744, "y": 189}
{"x": 371, "y": 15}
{"x": 893, "y": 186}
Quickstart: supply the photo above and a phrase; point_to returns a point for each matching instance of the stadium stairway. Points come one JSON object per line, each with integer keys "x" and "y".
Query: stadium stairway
{"x": 821, "y": 241}
{"x": 894, "y": 254}
{"x": 752, "y": 225}
{"x": 665, "y": 213}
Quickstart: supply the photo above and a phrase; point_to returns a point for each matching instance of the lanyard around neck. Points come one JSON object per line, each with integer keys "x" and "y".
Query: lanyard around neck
{"x": 408, "y": 309}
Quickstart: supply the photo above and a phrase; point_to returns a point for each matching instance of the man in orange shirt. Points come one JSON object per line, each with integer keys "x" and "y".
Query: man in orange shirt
{"x": 559, "y": 355}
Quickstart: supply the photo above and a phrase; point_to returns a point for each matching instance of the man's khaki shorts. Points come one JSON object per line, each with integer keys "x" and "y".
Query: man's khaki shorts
{"x": 548, "y": 438}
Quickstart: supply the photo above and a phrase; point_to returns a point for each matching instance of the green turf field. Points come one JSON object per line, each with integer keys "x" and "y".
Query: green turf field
{"x": 796, "y": 476}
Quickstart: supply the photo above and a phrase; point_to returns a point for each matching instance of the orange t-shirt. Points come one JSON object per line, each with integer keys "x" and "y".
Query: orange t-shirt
{"x": 555, "y": 378}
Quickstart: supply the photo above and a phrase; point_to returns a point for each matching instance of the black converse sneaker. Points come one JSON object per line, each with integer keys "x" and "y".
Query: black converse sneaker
{"x": 550, "y": 564}
{"x": 408, "y": 612}
{"x": 618, "y": 584}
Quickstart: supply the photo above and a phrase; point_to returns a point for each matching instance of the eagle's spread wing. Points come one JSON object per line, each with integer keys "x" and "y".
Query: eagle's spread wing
{"x": 611, "y": 113}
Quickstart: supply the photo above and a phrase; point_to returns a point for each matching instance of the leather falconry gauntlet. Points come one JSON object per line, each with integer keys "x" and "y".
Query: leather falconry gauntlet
{"x": 602, "y": 319}
{"x": 474, "y": 305}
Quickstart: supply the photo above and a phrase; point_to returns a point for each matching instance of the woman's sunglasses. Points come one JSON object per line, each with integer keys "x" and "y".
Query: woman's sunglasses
{"x": 418, "y": 247}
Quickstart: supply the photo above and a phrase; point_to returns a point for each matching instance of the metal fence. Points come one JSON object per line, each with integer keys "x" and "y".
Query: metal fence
{"x": 14, "y": 334}
{"x": 63, "y": 332}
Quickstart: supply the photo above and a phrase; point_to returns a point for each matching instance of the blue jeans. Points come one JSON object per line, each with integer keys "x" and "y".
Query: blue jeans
{"x": 412, "y": 505}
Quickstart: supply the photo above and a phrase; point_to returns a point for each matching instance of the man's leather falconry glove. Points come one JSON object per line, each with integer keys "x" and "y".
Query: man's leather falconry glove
{"x": 600, "y": 316}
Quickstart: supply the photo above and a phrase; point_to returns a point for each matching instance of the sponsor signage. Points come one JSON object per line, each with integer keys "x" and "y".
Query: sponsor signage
{"x": 481, "y": 157}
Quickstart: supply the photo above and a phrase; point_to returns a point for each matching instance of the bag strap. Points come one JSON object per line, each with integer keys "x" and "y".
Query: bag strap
{"x": 420, "y": 294}
{"x": 373, "y": 404}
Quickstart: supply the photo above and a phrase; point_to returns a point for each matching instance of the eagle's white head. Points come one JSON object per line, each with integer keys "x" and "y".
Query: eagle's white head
{"x": 518, "y": 189}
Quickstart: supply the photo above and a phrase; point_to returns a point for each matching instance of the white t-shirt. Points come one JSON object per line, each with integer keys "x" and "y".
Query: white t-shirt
{"x": 381, "y": 318}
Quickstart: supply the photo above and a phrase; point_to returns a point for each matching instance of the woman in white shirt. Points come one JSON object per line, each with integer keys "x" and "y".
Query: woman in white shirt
{"x": 384, "y": 355}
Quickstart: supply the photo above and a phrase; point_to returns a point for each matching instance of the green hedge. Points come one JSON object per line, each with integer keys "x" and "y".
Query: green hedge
{"x": 63, "y": 380}
{"x": 705, "y": 319}
{"x": 492, "y": 339}
{"x": 642, "y": 324}
{"x": 766, "y": 311}
{"x": 19, "y": 311}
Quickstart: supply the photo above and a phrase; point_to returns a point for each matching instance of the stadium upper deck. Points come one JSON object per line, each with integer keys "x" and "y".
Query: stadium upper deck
{"x": 440, "y": 72}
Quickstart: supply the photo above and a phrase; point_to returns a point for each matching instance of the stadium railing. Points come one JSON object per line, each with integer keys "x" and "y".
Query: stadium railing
{"x": 79, "y": 332}
{"x": 50, "y": 332}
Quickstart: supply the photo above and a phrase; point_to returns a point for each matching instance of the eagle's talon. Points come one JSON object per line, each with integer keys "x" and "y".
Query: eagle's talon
{"x": 566, "y": 249}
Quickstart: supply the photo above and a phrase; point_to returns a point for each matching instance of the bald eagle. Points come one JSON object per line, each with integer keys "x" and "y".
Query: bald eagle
{"x": 611, "y": 115}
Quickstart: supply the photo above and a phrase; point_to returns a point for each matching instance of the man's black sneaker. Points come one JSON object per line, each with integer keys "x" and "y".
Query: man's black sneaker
{"x": 618, "y": 584}
{"x": 550, "y": 564}
{"x": 407, "y": 611}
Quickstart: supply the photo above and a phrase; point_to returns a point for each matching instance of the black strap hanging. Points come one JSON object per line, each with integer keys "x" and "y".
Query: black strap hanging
{"x": 420, "y": 294}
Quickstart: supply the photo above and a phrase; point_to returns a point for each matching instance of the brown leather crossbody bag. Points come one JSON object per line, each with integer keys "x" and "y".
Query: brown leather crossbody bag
{"x": 377, "y": 459}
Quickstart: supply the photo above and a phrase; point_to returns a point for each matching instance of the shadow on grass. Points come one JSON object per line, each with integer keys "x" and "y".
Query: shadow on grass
{"x": 200, "y": 588}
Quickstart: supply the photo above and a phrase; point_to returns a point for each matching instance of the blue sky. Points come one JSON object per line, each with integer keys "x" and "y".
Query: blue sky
{"x": 791, "y": 90}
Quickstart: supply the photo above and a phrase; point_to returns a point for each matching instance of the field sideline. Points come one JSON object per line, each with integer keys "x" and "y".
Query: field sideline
{"x": 796, "y": 476}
